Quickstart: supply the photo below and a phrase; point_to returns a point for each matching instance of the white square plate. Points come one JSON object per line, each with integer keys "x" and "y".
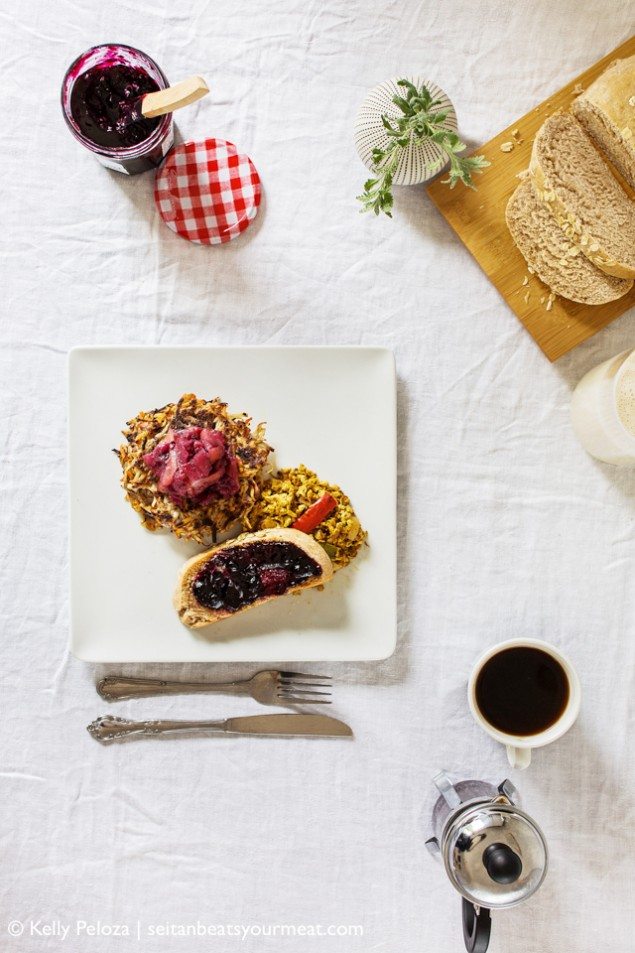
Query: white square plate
{"x": 331, "y": 408}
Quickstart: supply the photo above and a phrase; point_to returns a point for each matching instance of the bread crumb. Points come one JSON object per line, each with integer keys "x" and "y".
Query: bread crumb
{"x": 525, "y": 280}
{"x": 631, "y": 101}
{"x": 526, "y": 298}
{"x": 516, "y": 136}
{"x": 507, "y": 146}
{"x": 542, "y": 300}
{"x": 531, "y": 271}
{"x": 578, "y": 88}
{"x": 550, "y": 301}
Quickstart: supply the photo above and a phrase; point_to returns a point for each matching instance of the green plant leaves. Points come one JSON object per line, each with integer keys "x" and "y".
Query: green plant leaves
{"x": 420, "y": 120}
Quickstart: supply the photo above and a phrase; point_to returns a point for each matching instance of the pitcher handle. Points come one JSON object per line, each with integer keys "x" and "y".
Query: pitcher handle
{"x": 477, "y": 926}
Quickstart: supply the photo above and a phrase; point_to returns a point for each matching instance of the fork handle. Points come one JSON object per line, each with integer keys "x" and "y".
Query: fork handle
{"x": 114, "y": 688}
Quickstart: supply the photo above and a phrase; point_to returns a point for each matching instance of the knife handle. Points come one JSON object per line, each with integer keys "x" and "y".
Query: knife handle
{"x": 108, "y": 728}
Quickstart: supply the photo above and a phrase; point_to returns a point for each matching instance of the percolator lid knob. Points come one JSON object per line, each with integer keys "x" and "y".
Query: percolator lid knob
{"x": 502, "y": 863}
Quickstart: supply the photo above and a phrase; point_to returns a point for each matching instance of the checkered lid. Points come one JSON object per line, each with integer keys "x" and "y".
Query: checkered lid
{"x": 207, "y": 191}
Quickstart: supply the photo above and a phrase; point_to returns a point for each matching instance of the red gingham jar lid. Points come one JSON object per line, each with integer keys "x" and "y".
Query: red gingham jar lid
{"x": 207, "y": 191}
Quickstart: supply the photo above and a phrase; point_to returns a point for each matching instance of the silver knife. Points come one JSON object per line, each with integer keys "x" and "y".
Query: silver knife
{"x": 108, "y": 728}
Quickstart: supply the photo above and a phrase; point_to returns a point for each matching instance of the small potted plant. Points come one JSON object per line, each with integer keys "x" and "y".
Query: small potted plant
{"x": 405, "y": 132}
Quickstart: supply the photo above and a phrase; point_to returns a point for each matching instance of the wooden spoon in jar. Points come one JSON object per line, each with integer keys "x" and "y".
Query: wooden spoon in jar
{"x": 165, "y": 100}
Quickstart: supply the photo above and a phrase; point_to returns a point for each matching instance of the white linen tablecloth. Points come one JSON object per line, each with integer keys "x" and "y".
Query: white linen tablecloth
{"x": 506, "y": 526}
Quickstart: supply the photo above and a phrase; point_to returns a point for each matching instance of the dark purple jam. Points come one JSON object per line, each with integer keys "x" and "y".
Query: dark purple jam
{"x": 237, "y": 576}
{"x": 105, "y": 99}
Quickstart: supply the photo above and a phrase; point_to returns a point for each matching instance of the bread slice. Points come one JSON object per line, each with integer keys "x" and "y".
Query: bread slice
{"x": 607, "y": 111}
{"x": 553, "y": 256}
{"x": 193, "y": 614}
{"x": 573, "y": 180}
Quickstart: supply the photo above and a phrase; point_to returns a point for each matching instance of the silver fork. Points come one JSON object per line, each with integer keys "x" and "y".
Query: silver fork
{"x": 270, "y": 687}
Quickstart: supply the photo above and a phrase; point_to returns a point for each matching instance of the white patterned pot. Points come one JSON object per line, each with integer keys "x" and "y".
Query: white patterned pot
{"x": 418, "y": 160}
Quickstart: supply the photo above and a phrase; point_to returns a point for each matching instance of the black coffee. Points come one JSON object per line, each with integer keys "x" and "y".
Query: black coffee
{"x": 522, "y": 691}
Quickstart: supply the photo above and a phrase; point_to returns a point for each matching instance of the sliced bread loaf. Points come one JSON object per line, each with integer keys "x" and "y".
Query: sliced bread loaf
{"x": 573, "y": 180}
{"x": 553, "y": 256}
{"x": 607, "y": 111}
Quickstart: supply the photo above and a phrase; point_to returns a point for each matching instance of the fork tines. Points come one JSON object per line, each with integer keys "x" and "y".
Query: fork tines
{"x": 298, "y": 688}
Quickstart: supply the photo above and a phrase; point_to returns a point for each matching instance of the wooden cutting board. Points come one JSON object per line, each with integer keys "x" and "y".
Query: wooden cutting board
{"x": 478, "y": 218}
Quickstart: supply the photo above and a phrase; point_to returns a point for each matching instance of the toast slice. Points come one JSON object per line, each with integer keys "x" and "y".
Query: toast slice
{"x": 573, "y": 180}
{"x": 607, "y": 111}
{"x": 553, "y": 256}
{"x": 247, "y": 571}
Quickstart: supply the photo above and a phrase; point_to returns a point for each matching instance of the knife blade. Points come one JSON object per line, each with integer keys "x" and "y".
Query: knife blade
{"x": 322, "y": 725}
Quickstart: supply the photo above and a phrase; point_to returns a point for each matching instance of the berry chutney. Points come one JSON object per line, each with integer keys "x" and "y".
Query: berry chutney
{"x": 239, "y": 575}
{"x": 101, "y": 96}
{"x": 102, "y": 104}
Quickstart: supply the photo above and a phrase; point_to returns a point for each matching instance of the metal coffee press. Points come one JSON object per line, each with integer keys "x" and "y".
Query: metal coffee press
{"x": 494, "y": 854}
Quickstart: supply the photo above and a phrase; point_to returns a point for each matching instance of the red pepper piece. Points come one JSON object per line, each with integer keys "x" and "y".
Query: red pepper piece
{"x": 315, "y": 514}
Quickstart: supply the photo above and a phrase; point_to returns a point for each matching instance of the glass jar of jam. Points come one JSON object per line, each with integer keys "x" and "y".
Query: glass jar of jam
{"x": 99, "y": 94}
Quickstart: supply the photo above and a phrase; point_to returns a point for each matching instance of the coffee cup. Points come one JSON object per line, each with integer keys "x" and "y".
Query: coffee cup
{"x": 525, "y": 694}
